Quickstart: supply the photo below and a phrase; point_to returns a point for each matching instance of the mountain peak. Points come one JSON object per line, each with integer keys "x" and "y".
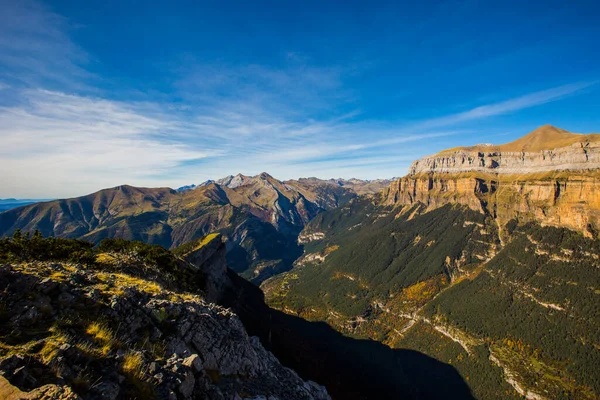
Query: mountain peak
{"x": 548, "y": 131}
{"x": 546, "y": 137}
{"x": 265, "y": 176}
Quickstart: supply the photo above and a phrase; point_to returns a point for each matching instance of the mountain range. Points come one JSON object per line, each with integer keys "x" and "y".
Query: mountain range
{"x": 7, "y": 204}
{"x": 260, "y": 216}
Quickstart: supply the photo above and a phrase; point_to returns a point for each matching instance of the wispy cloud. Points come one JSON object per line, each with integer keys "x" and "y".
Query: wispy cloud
{"x": 508, "y": 106}
{"x": 56, "y": 143}
{"x": 59, "y": 143}
{"x": 36, "y": 50}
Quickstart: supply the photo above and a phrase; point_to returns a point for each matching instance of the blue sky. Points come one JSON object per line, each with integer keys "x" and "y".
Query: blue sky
{"x": 96, "y": 94}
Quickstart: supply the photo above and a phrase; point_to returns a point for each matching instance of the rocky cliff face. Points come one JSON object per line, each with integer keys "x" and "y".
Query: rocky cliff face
{"x": 578, "y": 156}
{"x": 546, "y": 149}
{"x": 569, "y": 200}
{"x": 556, "y": 187}
{"x": 72, "y": 331}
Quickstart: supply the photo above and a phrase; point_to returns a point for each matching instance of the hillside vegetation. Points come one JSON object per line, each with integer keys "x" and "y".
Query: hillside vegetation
{"x": 517, "y": 317}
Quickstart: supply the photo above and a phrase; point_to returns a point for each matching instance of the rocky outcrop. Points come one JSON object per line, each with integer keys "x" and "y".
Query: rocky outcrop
{"x": 546, "y": 149}
{"x": 208, "y": 258}
{"x": 77, "y": 332}
{"x": 307, "y": 237}
{"x": 579, "y": 156}
{"x": 570, "y": 200}
{"x": 46, "y": 392}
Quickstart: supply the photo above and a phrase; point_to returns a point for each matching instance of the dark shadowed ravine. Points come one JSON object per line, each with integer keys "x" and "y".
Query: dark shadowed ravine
{"x": 350, "y": 368}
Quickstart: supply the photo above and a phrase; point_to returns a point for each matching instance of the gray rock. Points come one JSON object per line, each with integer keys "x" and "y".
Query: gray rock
{"x": 186, "y": 387}
{"x": 579, "y": 156}
{"x": 201, "y": 350}
{"x": 108, "y": 390}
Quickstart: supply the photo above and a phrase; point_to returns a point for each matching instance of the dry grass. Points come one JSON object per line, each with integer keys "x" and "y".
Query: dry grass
{"x": 121, "y": 281}
{"x": 58, "y": 276}
{"x": 105, "y": 258}
{"x": 331, "y": 249}
{"x": 183, "y": 296}
{"x": 104, "y": 336}
{"x": 132, "y": 364}
{"x": 87, "y": 348}
{"x": 25, "y": 348}
{"x": 51, "y": 347}
{"x": 207, "y": 239}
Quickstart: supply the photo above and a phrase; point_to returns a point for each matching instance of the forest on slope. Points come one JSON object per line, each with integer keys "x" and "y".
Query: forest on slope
{"x": 516, "y": 317}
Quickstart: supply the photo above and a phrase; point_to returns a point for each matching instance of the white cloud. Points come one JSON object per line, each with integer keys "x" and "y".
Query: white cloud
{"x": 509, "y": 106}
{"x": 55, "y": 144}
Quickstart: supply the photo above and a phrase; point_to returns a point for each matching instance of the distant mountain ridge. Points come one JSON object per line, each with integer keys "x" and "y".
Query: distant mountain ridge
{"x": 259, "y": 215}
{"x": 7, "y": 204}
{"x": 326, "y": 193}
{"x": 360, "y": 186}
{"x": 187, "y": 187}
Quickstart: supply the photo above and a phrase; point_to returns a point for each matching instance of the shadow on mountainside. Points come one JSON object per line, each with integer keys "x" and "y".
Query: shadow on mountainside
{"x": 271, "y": 251}
{"x": 349, "y": 368}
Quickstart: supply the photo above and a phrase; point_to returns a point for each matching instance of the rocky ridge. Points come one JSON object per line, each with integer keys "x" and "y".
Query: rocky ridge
{"x": 73, "y": 331}
{"x": 260, "y": 216}
{"x": 532, "y": 153}
{"x": 359, "y": 186}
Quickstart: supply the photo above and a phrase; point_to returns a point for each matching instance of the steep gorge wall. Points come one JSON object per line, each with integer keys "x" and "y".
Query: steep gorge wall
{"x": 570, "y": 200}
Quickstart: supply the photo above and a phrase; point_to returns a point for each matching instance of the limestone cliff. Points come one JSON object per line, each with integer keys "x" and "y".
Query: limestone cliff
{"x": 543, "y": 150}
{"x": 571, "y": 201}
{"x": 557, "y": 186}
